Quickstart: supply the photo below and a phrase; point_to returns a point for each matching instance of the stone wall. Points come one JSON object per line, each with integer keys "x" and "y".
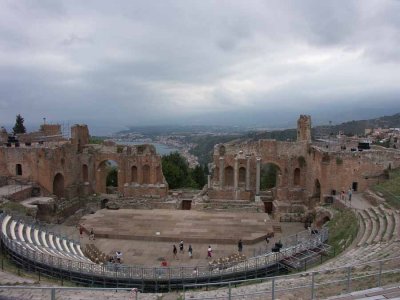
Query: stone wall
{"x": 74, "y": 168}
{"x": 308, "y": 173}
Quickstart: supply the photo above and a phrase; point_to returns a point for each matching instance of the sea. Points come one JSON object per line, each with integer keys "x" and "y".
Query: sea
{"x": 160, "y": 148}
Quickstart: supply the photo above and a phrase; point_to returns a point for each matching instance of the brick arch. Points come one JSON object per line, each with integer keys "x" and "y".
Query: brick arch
{"x": 229, "y": 176}
{"x": 242, "y": 175}
{"x": 134, "y": 174}
{"x": 101, "y": 175}
{"x": 279, "y": 172}
{"x": 58, "y": 185}
{"x": 296, "y": 177}
{"x": 146, "y": 174}
{"x": 317, "y": 189}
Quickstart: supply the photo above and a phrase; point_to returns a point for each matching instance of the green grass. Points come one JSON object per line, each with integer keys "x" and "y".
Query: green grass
{"x": 390, "y": 189}
{"x": 14, "y": 206}
{"x": 343, "y": 228}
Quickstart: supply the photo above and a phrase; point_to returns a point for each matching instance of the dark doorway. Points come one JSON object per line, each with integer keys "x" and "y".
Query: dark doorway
{"x": 268, "y": 207}
{"x": 355, "y": 186}
{"x": 85, "y": 173}
{"x": 186, "y": 204}
{"x": 296, "y": 179}
{"x": 58, "y": 185}
{"x": 317, "y": 189}
{"x": 18, "y": 169}
{"x": 103, "y": 203}
{"x": 134, "y": 174}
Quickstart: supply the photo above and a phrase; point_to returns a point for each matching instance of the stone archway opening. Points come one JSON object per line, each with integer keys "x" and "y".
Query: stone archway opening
{"x": 242, "y": 175}
{"x": 269, "y": 177}
{"x": 85, "y": 173}
{"x": 228, "y": 175}
{"x": 18, "y": 169}
{"x": 134, "y": 174}
{"x": 317, "y": 189}
{"x": 296, "y": 177}
{"x": 108, "y": 176}
{"x": 146, "y": 174}
{"x": 103, "y": 203}
{"x": 58, "y": 185}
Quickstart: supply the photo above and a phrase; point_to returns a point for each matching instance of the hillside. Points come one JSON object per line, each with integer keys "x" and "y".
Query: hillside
{"x": 358, "y": 127}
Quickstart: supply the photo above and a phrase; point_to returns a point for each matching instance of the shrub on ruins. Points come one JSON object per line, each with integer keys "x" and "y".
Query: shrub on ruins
{"x": 19, "y": 125}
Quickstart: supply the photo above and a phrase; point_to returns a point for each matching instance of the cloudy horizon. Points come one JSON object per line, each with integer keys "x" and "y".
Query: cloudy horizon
{"x": 129, "y": 63}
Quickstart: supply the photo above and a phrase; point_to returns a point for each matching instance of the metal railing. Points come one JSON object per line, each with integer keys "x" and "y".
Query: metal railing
{"x": 306, "y": 285}
{"x": 319, "y": 284}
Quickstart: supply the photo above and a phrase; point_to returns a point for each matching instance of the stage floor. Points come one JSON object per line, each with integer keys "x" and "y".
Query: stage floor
{"x": 162, "y": 225}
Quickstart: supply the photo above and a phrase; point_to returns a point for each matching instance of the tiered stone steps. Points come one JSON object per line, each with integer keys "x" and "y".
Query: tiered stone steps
{"x": 377, "y": 239}
{"x": 232, "y": 205}
{"x": 40, "y": 240}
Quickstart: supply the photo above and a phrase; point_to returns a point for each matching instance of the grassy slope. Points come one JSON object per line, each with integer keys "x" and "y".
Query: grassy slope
{"x": 343, "y": 230}
{"x": 390, "y": 188}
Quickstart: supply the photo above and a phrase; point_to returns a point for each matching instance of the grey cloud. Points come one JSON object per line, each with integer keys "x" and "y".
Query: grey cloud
{"x": 144, "y": 62}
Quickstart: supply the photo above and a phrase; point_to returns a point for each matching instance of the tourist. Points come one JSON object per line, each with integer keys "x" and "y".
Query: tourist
{"x": 267, "y": 240}
{"x": 181, "y": 246}
{"x": 240, "y": 246}
{"x": 175, "y": 251}
{"x": 209, "y": 252}
{"x": 118, "y": 256}
{"x": 349, "y": 193}
{"x": 80, "y": 231}
{"x": 342, "y": 196}
{"x": 190, "y": 251}
{"x": 91, "y": 235}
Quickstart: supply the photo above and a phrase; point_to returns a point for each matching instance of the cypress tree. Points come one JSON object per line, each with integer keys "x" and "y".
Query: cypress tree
{"x": 19, "y": 125}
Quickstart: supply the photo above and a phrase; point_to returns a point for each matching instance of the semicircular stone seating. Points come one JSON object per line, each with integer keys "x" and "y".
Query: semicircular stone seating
{"x": 41, "y": 241}
{"x": 378, "y": 236}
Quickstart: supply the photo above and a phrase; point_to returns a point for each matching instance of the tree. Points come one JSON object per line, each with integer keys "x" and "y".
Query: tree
{"x": 112, "y": 177}
{"x": 198, "y": 176}
{"x": 176, "y": 171}
{"x": 269, "y": 173}
{"x": 19, "y": 125}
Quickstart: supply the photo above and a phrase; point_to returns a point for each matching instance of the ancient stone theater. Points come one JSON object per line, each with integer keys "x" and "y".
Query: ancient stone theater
{"x": 46, "y": 169}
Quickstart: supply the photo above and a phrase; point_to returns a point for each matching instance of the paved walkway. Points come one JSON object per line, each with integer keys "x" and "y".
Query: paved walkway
{"x": 357, "y": 201}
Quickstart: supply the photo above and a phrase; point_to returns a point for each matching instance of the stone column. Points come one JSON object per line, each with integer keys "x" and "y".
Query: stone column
{"x": 221, "y": 172}
{"x": 236, "y": 174}
{"x": 248, "y": 172}
{"x": 258, "y": 171}
{"x": 209, "y": 181}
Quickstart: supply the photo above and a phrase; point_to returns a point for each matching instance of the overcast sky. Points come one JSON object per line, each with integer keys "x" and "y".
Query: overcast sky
{"x": 117, "y": 63}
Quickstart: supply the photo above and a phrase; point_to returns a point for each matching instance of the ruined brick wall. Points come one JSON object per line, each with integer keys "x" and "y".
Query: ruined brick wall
{"x": 288, "y": 156}
{"x": 338, "y": 170}
{"x": 307, "y": 172}
{"x": 304, "y": 128}
{"x": 72, "y": 169}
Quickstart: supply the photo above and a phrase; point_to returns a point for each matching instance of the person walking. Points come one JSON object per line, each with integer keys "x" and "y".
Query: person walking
{"x": 240, "y": 246}
{"x": 81, "y": 231}
{"x": 350, "y": 193}
{"x": 175, "y": 251}
{"x": 91, "y": 235}
{"x": 190, "y": 251}
{"x": 181, "y": 246}
{"x": 209, "y": 252}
